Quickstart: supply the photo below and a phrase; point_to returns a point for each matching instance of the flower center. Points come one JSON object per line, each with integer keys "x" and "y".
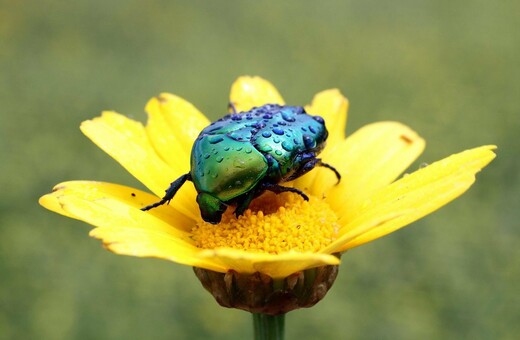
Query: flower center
{"x": 274, "y": 223}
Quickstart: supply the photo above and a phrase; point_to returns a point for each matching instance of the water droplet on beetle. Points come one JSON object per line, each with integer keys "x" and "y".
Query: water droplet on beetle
{"x": 288, "y": 116}
{"x": 278, "y": 131}
{"x": 319, "y": 119}
{"x": 287, "y": 146}
{"x": 239, "y": 163}
{"x": 215, "y": 139}
{"x": 308, "y": 141}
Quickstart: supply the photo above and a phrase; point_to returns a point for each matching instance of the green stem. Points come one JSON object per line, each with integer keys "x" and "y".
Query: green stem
{"x": 269, "y": 327}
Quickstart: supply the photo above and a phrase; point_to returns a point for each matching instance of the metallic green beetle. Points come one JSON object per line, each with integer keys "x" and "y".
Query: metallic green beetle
{"x": 238, "y": 157}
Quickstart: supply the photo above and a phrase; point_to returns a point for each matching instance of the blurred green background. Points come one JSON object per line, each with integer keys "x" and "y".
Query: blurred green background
{"x": 449, "y": 69}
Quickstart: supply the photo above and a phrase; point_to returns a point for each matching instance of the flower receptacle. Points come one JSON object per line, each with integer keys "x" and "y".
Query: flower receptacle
{"x": 260, "y": 293}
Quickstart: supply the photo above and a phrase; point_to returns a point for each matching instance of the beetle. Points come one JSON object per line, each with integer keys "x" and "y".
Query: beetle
{"x": 241, "y": 155}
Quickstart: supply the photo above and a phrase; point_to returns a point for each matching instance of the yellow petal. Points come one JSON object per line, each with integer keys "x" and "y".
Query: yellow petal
{"x": 369, "y": 159}
{"x": 123, "y": 228}
{"x": 52, "y": 203}
{"x": 276, "y": 266}
{"x": 105, "y": 204}
{"x": 332, "y": 106}
{"x": 173, "y": 125}
{"x": 416, "y": 195}
{"x": 126, "y": 141}
{"x": 146, "y": 243}
{"x": 107, "y": 193}
{"x": 248, "y": 92}
{"x": 359, "y": 227}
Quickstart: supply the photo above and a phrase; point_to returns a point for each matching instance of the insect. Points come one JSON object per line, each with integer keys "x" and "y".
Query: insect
{"x": 241, "y": 155}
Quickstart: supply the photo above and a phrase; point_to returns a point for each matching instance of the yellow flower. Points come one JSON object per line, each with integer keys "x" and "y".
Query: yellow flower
{"x": 281, "y": 234}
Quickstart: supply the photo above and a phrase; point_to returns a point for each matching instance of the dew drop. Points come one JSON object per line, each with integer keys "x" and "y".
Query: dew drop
{"x": 287, "y": 146}
{"x": 288, "y": 116}
{"x": 239, "y": 163}
{"x": 215, "y": 139}
{"x": 278, "y": 131}
{"x": 258, "y": 125}
{"x": 308, "y": 141}
{"x": 319, "y": 119}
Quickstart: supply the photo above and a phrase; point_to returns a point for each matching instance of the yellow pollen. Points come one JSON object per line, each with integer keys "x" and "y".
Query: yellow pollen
{"x": 272, "y": 224}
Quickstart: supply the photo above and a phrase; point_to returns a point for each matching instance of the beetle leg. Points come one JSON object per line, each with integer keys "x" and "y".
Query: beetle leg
{"x": 318, "y": 162}
{"x": 170, "y": 192}
{"x": 244, "y": 204}
{"x": 328, "y": 166}
{"x": 310, "y": 164}
{"x": 278, "y": 189}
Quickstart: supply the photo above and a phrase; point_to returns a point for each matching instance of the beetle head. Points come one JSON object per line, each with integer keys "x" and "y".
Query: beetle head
{"x": 211, "y": 208}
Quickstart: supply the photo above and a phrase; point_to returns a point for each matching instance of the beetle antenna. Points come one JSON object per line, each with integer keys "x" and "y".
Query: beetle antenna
{"x": 232, "y": 106}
